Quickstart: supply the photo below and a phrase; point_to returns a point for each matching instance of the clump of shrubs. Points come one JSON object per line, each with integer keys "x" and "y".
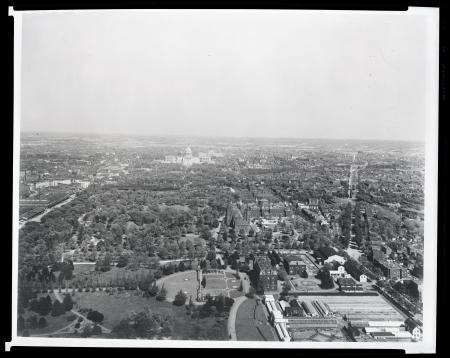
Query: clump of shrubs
{"x": 97, "y": 330}
{"x": 87, "y": 331}
{"x": 42, "y": 322}
{"x": 162, "y": 295}
{"x": 250, "y": 293}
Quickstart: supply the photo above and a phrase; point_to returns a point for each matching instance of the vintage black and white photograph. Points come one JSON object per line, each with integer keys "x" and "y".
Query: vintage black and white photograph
{"x": 231, "y": 178}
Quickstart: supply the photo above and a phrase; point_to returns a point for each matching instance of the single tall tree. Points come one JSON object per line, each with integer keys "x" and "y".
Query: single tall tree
{"x": 57, "y": 308}
{"x": 180, "y": 298}
{"x": 67, "y": 303}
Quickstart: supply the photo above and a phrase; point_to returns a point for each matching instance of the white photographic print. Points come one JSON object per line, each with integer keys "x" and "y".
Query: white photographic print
{"x": 225, "y": 178}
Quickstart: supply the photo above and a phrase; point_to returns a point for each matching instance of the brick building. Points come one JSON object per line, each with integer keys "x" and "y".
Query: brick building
{"x": 266, "y": 274}
{"x": 391, "y": 270}
{"x": 349, "y": 285}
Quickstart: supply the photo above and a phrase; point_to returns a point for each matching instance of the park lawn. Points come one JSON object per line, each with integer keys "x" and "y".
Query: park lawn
{"x": 119, "y": 305}
{"x": 114, "y": 307}
{"x": 218, "y": 276}
{"x": 233, "y": 283}
{"x": 53, "y": 323}
{"x": 214, "y": 292}
{"x": 251, "y": 323}
{"x": 186, "y": 282}
{"x": 215, "y": 283}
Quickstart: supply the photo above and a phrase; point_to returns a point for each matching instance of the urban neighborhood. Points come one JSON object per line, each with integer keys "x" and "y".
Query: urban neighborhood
{"x": 241, "y": 239}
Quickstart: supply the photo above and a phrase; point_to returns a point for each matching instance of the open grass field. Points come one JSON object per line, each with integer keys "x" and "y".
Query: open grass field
{"x": 216, "y": 284}
{"x": 252, "y": 324}
{"x": 187, "y": 282}
{"x": 115, "y": 307}
{"x": 118, "y": 306}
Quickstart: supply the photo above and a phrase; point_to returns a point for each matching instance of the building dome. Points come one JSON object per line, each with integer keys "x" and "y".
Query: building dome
{"x": 188, "y": 151}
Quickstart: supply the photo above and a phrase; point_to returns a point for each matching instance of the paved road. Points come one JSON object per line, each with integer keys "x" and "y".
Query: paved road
{"x": 232, "y": 317}
{"x": 39, "y": 217}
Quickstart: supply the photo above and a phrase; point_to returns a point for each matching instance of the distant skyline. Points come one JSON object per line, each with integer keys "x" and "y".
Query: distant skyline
{"x": 262, "y": 74}
{"x": 180, "y": 136}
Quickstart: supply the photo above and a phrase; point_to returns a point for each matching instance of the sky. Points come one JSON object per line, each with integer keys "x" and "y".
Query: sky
{"x": 241, "y": 73}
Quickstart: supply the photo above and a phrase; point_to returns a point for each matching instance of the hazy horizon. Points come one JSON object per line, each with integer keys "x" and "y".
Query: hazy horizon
{"x": 250, "y": 74}
{"x": 136, "y": 135}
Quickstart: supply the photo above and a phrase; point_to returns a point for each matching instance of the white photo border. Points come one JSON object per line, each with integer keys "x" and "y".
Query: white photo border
{"x": 428, "y": 344}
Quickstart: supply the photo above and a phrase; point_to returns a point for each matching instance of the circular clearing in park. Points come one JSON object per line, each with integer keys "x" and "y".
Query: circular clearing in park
{"x": 186, "y": 282}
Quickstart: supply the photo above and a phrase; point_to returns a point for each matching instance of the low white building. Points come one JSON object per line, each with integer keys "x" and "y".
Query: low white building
{"x": 283, "y": 305}
{"x": 282, "y": 332}
{"x": 403, "y": 335}
{"x": 385, "y": 323}
{"x": 277, "y": 317}
{"x": 341, "y": 260}
{"x": 340, "y": 272}
{"x": 413, "y": 328}
{"x": 269, "y": 223}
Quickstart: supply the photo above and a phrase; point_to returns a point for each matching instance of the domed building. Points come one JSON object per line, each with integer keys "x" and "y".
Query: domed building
{"x": 186, "y": 158}
{"x": 188, "y": 153}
